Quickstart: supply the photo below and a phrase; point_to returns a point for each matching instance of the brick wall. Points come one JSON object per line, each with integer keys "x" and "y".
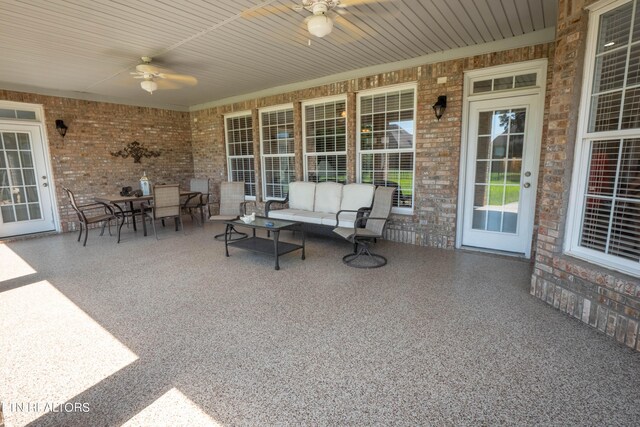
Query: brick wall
{"x": 82, "y": 161}
{"x": 193, "y": 144}
{"x": 433, "y": 222}
{"x": 605, "y": 299}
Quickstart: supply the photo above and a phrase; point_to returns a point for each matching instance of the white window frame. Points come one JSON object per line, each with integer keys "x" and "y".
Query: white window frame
{"x": 583, "y": 143}
{"x": 306, "y": 155}
{"x": 359, "y": 151}
{"x": 262, "y": 155}
{"x": 229, "y": 157}
{"x": 19, "y": 106}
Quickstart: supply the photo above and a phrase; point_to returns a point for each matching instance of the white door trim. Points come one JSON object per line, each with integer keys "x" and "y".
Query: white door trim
{"x": 538, "y": 66}
{"x": 40, "y": 123}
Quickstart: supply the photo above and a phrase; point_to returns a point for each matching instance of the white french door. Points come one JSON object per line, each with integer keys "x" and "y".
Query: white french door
{"x": 501, "y": 173}
{"x": 25, "y": 194}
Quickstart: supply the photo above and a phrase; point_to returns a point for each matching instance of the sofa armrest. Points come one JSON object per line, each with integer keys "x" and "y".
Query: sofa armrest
{"x": 267, "y": 206}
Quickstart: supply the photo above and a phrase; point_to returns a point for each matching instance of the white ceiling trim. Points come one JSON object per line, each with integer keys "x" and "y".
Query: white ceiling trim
{"x": 530, "y": 39}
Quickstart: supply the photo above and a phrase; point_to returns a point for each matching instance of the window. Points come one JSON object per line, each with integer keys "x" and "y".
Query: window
{"x": 606, "y": 228}
{"x": 6, "y": 113}
{"x": 325, "y": 141}
{"x": 277, "y": 149}
{"x": 386, "y": 142}
{"x": 240, "y": 161}
{"x": 508, "y": 82}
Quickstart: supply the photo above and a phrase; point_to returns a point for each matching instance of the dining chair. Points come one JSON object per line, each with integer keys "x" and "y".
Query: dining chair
{"x": 93, "y": 213}
{"x": 199, "y": 201}
{"x": 164, "y": 205}
{"x": 232, "y": 205}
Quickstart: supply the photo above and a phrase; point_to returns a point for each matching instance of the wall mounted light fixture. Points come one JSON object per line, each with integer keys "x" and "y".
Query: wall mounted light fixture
{"x": 440, "y": 106}
{"x": 61, "y": 127}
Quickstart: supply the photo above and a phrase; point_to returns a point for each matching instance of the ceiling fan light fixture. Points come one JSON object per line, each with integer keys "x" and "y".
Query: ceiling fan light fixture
{"x": 319, "y": 25}
{"x": 149, "y": 85}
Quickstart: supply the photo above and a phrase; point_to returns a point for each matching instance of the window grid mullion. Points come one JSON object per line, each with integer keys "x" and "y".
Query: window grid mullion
{"x": 613, "y": 198}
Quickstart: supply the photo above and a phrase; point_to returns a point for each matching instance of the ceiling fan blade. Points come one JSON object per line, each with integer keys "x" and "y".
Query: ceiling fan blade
{"x": 167, "y": 84}
{"x": 181, "y": 78}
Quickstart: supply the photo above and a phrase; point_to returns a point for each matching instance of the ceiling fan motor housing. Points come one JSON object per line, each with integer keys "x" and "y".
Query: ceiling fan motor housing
{"x": 319, "y": 6}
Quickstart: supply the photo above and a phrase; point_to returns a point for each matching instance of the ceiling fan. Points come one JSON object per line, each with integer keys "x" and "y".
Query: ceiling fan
{"x": 324, "y": 13}
{"x": 155, "y": 77}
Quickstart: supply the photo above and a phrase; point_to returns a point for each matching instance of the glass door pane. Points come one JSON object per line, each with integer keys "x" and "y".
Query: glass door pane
{"x": 500, "y": 140}
{"x": 19, "y": 197}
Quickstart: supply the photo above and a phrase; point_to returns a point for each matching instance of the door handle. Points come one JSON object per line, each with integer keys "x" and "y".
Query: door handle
{"x": 527, "y": 185}
{"x": 45, "y": 185}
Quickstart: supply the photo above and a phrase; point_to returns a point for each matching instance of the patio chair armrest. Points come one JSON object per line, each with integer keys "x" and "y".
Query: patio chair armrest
{"x": 359, "y": 213}
{"x": 120, "y": 211}
{"x": 94, "y": 205}
{"x": 363, "y": 220}
{"x": 267, "y": 206}
{"x": 97, "y": 205}
{"x": 191, "y": 197}
{"x": 243, "y": 206}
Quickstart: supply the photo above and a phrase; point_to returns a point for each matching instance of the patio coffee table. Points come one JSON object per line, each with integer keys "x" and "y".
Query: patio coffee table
{"x": 261, "y": 244}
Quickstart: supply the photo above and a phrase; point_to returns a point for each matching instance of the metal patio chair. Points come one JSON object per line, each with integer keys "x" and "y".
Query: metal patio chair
{"x": 93, "y": 213}
{"x": 164, "y": 205}
{"x": 374, "y": 225}
{"x": 232, "y": 206}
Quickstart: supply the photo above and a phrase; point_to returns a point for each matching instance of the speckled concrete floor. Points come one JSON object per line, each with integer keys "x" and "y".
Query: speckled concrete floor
{"x": 171, "y": 332}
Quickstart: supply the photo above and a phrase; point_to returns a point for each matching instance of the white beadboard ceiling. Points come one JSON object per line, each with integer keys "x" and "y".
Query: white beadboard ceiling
{"x": 87, "y": 48}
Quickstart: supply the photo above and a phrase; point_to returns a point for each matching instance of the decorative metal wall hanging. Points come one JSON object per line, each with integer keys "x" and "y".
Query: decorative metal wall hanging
{"x": 137, "y": 151}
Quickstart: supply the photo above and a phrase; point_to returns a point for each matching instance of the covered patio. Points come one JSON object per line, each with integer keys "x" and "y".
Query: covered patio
{"x": 177, "y": 334}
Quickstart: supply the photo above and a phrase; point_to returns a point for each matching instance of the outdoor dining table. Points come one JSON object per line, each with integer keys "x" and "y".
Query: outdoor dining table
{"x": 116, "y": 200}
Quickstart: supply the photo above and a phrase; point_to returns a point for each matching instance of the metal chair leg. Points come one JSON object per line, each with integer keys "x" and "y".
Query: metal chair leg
{"x": 232, "y": 235}
{"x": 363, "y": 255}
{"x": 86, "y": 234}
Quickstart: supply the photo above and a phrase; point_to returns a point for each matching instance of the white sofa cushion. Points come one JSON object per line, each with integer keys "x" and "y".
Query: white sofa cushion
{"x": 328, "y": 197}
{"x": 288, "y": 214}
{"x": 301, "y": 195}
{"x": 299, "y": 215}
{"x": 310, "y": 217}
{"x": 356, "y": 196}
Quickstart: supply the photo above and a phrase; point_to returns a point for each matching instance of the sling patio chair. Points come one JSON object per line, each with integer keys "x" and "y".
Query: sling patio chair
{"x": 374, "y": 225}
{"x": 164, "y": 205}
{"x": 199, "y": 201}
{"x": 232, "y": 206}
{"x": 93, "y": 213}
